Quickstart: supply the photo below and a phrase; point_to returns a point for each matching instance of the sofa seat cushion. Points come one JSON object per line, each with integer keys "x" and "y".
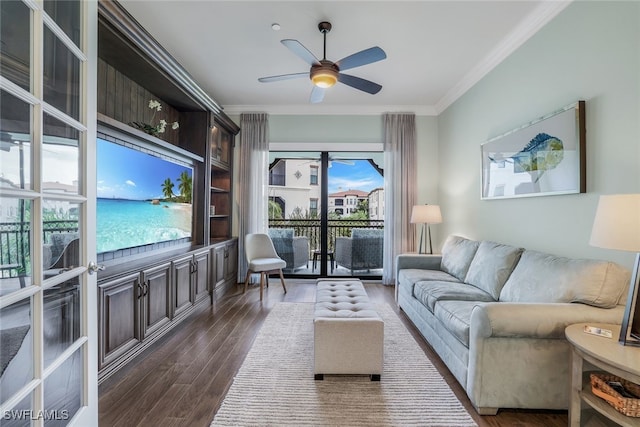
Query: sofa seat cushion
{"x": 457, "y": 254}
{"x": 491, "y": 266}
{"x": 431, "y": 292}
{"x": 455, "y": 316}
{"x": 545, "y": 278}
{"x": 410, "y": 276}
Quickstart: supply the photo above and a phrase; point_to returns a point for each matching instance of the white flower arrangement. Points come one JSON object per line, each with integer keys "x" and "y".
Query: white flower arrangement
{"x": 160, "y": 127}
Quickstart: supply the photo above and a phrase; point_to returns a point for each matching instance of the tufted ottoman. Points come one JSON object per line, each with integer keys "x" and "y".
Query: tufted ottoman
{"x": 348, "y": 332}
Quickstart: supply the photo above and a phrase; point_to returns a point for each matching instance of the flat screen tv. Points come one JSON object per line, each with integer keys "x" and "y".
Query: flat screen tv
{"x": 144, "y": 196}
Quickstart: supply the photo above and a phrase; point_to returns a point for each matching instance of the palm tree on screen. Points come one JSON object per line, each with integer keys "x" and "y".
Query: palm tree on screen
{"x": 167, "y": 188}
{"x": 185, "y": 186}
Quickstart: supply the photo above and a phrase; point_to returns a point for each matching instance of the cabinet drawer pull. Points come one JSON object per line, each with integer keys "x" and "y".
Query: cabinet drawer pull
{"x": 145, "y": 288}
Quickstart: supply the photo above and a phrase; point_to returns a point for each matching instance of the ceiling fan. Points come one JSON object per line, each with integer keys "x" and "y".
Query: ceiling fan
{"x": 325, "y": 73}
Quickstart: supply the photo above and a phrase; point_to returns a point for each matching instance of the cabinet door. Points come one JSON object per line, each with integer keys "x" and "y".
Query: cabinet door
{"x": 219, "y": 265}
{"x": 201, "y": 275}
{"x": 156, "y": 300}
{"x": 232, "y": 261}
{"x": 118, "y": 314}
{"x": 182, "y": 297}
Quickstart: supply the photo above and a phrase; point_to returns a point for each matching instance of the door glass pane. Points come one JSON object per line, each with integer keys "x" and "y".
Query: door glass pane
{"x": 15, "y": 244}
{"x": 356, "y": 212}
{"x": 15, "y": 49}
{"x": 63, "y": 391}
{"x": 61, "y": 76}
{"x": 16, "y": 351}
{"x": 19, "y": 416}
{"x": 294, "y": 209}
{"x": 67, "y": 15}
{"x": 60, "y": 157}
{"x": 15, "y": 141}
{"x": 61, "y": 251}
{"x": 61, "y": 318}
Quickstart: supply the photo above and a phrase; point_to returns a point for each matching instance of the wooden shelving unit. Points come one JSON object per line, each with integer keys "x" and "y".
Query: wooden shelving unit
{"x": 221, "y": 179}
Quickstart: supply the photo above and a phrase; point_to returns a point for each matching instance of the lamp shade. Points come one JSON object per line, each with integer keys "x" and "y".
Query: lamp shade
{"x": 426, "y": 214}
{"x": 617, "y": 223}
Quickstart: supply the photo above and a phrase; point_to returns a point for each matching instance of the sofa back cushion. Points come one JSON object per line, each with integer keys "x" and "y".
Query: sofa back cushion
{"x": 544, "y": 278}
{"x": 457, "y": 254}
{"x": 491, "y": 266}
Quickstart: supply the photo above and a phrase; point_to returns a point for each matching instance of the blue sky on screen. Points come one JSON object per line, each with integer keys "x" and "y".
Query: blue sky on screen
{"x": 125, "y": 173}
{"x": 359, "y": 176}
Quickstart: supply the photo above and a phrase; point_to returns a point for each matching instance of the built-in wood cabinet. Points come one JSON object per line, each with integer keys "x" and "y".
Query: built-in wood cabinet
{"x": 200, "y": 275}
{"x": 155, "y": 298}
{"x": 225, "y": 265}
{"x": 144, "y": 294}
{"x": 183, "y": 295}
{"x": 135, "y": 309}
{"x": 118, "y": 317}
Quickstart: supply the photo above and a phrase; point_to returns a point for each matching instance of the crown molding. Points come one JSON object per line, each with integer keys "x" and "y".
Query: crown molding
{"x": 544, "y": 13}
{"x": 328, "y": 110}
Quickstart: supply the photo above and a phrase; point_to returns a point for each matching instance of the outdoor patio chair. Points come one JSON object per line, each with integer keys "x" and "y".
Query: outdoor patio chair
{"x": 361, "y": 251}
{"x": 293, "y": 249}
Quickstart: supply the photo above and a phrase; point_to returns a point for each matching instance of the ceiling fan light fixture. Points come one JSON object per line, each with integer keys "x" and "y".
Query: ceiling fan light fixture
{"x": 324, "y": 80}
{"x": 324, "y": 76}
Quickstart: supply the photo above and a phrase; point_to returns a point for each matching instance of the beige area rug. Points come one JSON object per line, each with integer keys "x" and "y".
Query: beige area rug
{"x": 275, "y": 385}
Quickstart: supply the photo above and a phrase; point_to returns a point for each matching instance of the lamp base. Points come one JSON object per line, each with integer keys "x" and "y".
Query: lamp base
{"x": 630, "y": 327}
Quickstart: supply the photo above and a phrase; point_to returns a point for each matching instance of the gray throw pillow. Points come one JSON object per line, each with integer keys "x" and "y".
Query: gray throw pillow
{"x": 457, "y": 254}
{"x": 491, "y": 266}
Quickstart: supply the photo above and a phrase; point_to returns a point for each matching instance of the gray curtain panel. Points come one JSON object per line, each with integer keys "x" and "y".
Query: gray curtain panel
{"x": 400, "y": 188}
{"x": 253, "y": 181}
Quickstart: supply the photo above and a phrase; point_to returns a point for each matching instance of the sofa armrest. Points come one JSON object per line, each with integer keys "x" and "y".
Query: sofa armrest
{"x": 420, "y": 261}
{"x": 530, "y": 320}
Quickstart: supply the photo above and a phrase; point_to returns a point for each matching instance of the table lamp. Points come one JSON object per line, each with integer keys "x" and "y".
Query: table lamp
{"x": 425, "y": 215}
{"x": 617, "y": 226}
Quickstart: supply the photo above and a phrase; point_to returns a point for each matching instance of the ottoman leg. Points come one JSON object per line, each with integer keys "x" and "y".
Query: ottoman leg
{"x": 375, "y": 377}
{"x": 318, "y": 377}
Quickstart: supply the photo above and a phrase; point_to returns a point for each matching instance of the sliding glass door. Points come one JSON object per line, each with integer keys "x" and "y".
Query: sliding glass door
{"x": 326, "y": 212}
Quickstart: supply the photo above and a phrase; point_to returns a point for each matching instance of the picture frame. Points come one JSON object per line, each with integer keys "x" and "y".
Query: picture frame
{"x": 544, "y": 157}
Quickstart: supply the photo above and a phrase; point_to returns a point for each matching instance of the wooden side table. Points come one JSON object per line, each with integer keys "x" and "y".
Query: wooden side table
{"x": 604, "y": 354}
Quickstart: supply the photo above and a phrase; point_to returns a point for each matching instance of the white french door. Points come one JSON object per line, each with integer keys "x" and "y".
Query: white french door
{"x": 48, "y": 329}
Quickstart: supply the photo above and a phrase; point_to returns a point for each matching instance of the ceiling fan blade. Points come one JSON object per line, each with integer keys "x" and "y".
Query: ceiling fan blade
{"x": 300, "y": 51}
{"x": 364, "y": 57}
{"x": 358, "y": 83}
{"x": 283, "y": 77}
{"x": 317, "y": 95}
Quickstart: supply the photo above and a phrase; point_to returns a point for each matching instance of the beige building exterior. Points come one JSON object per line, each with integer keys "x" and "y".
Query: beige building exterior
{"x": 295, "y": 184}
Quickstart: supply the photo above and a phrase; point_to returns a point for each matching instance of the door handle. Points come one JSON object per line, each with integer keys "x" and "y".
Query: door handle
{"x": 94, "y": 268}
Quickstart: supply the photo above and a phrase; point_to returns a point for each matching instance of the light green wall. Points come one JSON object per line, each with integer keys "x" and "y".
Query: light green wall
{"x": 342, "y": 129}
{"x": 590, "y": 51}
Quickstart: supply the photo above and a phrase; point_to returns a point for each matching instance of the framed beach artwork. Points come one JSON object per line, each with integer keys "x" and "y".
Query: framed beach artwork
{"x": 541, "y": 158}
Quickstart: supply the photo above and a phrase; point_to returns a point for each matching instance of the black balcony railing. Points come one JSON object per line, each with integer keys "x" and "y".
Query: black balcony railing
{"x": 15, "y": 241}
{"x": 336, "y": 228}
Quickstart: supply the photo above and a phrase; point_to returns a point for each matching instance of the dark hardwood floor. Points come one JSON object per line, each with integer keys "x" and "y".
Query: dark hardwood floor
{"x": 182, "y": 379}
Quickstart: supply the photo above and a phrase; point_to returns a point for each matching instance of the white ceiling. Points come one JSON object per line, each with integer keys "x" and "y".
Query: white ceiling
{"x": 436, "y": 50}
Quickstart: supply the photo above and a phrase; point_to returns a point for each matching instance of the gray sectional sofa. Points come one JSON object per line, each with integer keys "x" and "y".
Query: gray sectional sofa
{"x": 496, "y": 316}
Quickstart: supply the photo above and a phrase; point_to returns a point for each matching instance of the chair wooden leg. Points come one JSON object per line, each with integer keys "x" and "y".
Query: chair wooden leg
{"x": 262, "y": 274}
{"x": 246, "y": 281}
{"x": 282, "y": 281}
